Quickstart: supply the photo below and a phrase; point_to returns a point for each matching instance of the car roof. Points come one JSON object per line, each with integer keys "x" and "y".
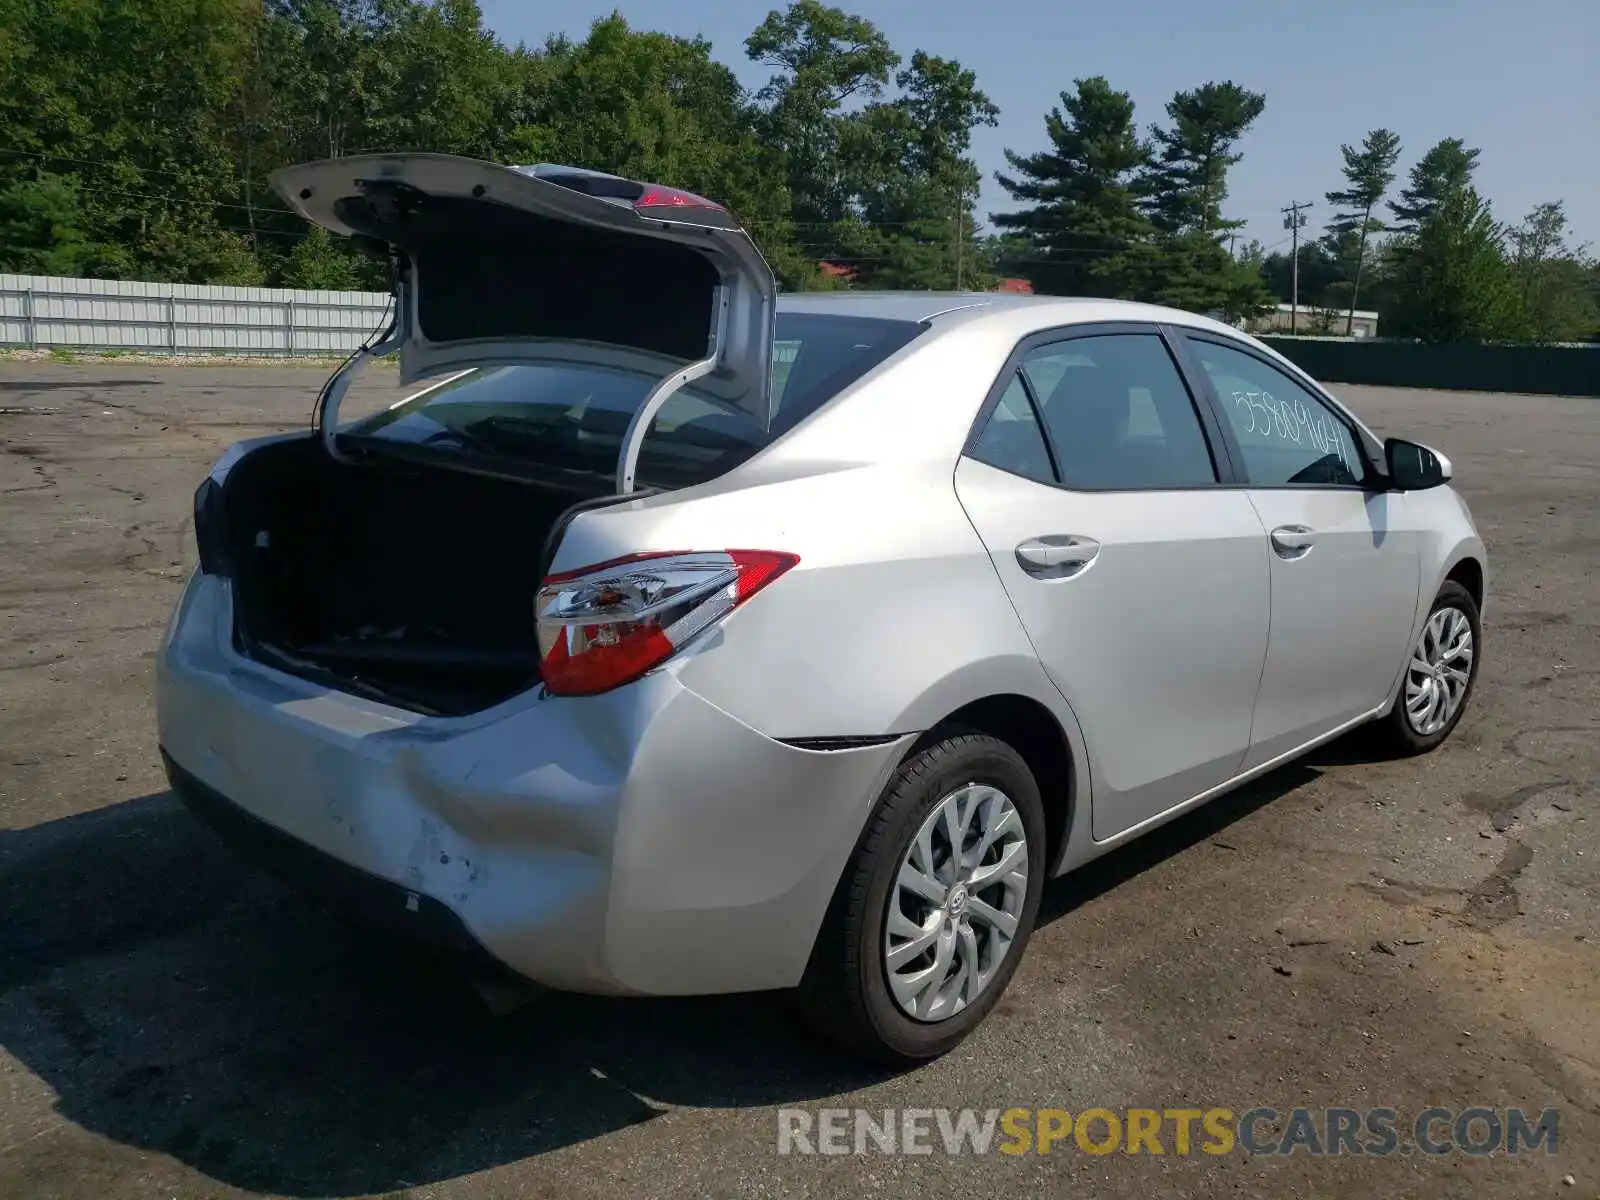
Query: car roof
{"x": 943, "y": 309}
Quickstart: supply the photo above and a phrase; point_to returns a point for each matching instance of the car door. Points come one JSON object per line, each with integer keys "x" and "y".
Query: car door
{"x": 1344, "y": 564}
{"x": 1140, "y": 577}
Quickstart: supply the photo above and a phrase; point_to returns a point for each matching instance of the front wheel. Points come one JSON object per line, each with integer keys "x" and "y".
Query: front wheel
{"x": 1440, "y": 673}
{"x": 936, "y": 906}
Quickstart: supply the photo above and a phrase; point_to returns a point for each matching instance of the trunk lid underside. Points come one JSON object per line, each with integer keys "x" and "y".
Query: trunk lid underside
{"x": 417, "y": 582}
{"x": 500, "y": 264}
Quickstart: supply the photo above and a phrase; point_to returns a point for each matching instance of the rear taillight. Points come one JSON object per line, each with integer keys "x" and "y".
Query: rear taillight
{"x": 607, "y": 624}
{"x": 655, "y": 196}
{"x": 210, "y": 542}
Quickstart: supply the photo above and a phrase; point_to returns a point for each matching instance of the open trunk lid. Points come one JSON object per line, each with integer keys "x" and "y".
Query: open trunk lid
{"x": 503, "y": 265}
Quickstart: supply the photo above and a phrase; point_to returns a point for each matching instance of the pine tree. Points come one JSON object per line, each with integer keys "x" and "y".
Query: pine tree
{"x": 1182, "y": 188}
{"x": 1446, "y": 168}
{"x": 1187, "y": 179}
{"x": 1083, "y": 222}
{"x": 1368, "y": 172}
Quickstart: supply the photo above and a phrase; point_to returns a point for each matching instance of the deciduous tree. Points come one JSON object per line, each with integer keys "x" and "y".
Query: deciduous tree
{"x": 1452, "y": 281}
{"x": 1554, "y": 282}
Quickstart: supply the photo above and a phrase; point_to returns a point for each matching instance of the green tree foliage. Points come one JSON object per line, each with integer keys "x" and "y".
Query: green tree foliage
{"x": 823, "y": 57}
{"x": 126, "y": 101}
{"x": 658, "y": 108}
{"x": 1082, "y": 225}
{"x": 141, "y": 138}
{"x": 138, "y": 138}
{"x": 43, "y": 230}
{"x": 1194, "y": 271}
{"x": 1108, "y": 214}
{"x": 1183, "y": 186}
{"x": 880, "y": 186}
{"x": 1446, "y": 168}
{"x": 1554, "y": 283}
{"x": 1452, "y": 282}
{"x": 918, "y": 192}
{"x": 316, "y": 263}
{"x": 1324, "y": 266}
{"x": 1186, "y": 179}
{"x": 1368, "y": 172}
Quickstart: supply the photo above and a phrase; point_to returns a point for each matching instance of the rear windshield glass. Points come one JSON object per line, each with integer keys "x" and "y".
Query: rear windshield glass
{"x": 573, "y": 417}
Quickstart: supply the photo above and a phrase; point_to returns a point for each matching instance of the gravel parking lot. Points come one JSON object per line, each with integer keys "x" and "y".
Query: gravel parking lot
{"x": 1342, "y": 933}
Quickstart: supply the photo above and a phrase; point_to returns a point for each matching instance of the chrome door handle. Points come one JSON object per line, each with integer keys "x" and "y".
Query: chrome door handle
{"x": 1057, "y": 554}
{"x": 1292, "y": 541}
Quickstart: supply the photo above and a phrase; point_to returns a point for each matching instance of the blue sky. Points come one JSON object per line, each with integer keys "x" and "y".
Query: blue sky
{"x": 1518, "y": 81}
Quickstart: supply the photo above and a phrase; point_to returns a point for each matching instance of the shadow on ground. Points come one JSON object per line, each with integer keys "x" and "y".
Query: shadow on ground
{"x": 177, "y": 1003}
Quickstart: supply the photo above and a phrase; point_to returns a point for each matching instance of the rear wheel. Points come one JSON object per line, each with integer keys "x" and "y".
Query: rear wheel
{"x": 1440, "y": 673}
{"x": 935, "y": 908}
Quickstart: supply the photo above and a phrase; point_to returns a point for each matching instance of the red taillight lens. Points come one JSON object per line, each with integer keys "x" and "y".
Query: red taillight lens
{"x": 664, "y": 197}
{"x": 608, "y": 624}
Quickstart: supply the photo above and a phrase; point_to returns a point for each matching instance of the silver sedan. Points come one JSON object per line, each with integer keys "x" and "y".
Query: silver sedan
{"x": 680, "y": 637}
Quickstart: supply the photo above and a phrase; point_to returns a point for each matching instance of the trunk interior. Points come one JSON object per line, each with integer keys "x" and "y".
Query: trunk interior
{"x": 411, "y": 583}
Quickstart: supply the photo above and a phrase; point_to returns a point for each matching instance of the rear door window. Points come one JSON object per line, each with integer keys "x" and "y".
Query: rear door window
{"x": 1118, "y": 414}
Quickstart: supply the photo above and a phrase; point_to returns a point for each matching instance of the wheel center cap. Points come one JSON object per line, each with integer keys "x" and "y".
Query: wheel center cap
{"x": 956, "y": 903}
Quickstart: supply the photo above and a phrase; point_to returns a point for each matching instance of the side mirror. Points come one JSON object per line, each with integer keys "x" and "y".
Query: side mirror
{"x": 1414, "y": 467}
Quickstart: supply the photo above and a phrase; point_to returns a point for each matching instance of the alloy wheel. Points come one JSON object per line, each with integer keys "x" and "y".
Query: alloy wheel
{"x": 1439, "y": 671}
{"x": 956, "y": 902}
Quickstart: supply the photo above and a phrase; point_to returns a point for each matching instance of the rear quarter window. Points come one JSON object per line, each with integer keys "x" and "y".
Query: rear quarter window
{"x": 783, "y": 356}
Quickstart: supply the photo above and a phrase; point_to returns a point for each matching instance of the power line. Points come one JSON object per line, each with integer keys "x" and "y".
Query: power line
{"x": 100, "y": 189}
{"x": 205, "y": 202}
{"x": 118, "y": 166}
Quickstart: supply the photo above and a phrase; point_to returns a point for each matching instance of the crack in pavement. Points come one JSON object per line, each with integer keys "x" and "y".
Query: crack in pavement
{"x": 1495, "y": 901}
{"x": 1488, "y": 904}
{"x": 1502, "y": 810}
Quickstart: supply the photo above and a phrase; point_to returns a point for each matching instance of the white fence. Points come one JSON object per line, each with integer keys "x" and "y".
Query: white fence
{"x": 38, "y": 311}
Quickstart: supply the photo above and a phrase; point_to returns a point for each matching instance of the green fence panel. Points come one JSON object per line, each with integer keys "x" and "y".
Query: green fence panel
{"x": 1542, "y": 370}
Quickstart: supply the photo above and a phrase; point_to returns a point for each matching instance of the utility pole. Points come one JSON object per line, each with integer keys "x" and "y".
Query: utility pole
{"x": 961, "y": 217}
{"x": 1294, "y": 220}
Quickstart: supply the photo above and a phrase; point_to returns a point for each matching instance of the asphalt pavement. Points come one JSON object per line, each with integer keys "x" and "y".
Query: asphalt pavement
{"x": 1343, "y": 932}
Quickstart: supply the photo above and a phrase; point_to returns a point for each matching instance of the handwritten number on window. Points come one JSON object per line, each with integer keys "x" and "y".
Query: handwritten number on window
{"x": 1289, "y": 420}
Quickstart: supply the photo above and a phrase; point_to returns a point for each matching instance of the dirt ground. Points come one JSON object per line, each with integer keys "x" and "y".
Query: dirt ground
{"x": 1342, "y": 933}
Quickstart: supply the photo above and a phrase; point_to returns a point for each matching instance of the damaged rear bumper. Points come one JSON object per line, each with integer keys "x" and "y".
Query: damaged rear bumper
{"x": 638, "y": 842}
{"x": 416, "y": 917}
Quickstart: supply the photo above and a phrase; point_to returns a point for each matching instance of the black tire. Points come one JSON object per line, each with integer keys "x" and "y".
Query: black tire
{"x": 1393, "y": 732}
{"x": 845, "y": 993}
